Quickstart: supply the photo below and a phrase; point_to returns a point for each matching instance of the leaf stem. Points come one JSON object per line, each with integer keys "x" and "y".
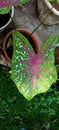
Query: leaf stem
{"x": 41, "y": 22}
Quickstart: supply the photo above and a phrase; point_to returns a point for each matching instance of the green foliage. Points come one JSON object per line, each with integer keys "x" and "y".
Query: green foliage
{"x": 5, "y": 10}
{"x": 16, "y": 112}
{"x": 54, "y": 1}
{"x": 23, "y": 1}
{"x": 23, "y": 74}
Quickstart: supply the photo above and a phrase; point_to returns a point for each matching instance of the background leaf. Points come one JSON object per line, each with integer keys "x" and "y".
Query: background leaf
{"x": 5, "y": 10}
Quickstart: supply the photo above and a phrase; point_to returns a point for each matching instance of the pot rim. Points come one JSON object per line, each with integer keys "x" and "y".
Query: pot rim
{"x": 12, "y": 14}
{"x": 20, "y": 30}
{"x": 55, "y": 11}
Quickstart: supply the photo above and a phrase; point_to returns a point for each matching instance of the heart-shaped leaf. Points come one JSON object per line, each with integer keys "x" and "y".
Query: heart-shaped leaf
{"x": 33, "y": 73}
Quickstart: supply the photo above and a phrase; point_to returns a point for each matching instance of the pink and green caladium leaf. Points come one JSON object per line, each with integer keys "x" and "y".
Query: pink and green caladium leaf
{"x": 6, "y": 3}
{"x": 33, "y": 73}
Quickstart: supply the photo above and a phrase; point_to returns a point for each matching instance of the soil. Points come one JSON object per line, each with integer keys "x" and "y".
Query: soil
{"x": 55, "y": 5}
{"x": 31, "y": 41}
{"x": 1, "y": 50}
{"x": 9, "y": 51}
{"x": 55, "y": 85}
{"x": 9, "y": 47}
{"x": 56, "y": 53}
{"x": 4, "y": 18}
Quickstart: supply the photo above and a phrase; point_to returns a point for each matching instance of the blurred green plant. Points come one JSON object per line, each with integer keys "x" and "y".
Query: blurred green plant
{"x": 54, "y": 1}
{"x": 5, "y": 10}
{"x": 40, "y": 113}
{"x": 23, "y": 1}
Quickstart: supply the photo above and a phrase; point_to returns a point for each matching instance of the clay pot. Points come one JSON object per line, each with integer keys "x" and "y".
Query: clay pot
{"x": 53, "y": 6}
{"x": 34, "y": 42}
{"x": 43, "y": 9}
{"x": 5, "y": 19}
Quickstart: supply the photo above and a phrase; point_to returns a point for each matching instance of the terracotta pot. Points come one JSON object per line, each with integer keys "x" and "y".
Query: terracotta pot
{"x": 53, "y": 7}
{"x": 26, "y": 33}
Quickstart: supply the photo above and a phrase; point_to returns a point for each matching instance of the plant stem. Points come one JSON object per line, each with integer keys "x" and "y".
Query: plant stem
{"x": 41, "y": 22}
{"x": 37, "y": 26}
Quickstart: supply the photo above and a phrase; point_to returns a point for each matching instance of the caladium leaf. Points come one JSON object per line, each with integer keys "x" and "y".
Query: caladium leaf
{"x": 5, "y": 3}
{"x": 33, "y": 73}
